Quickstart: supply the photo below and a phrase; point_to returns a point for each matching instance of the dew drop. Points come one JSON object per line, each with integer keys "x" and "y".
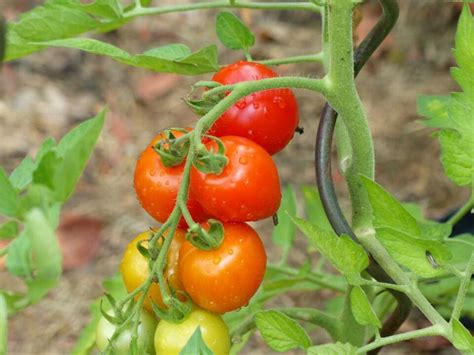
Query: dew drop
{"x": 152, "y": 172}
{"x": 167, "y": 182}
{"x": 265, "y": 110}
{"x": 250, "y": 132}
{"x": 279, "y": 101}
{"x": 243, "y": 160}
{"x": 256, "y": 105}
{"x": 216, "y": 261}
{"x": 241, "y": 104}
{"x": 230, "y": 251}
{"x": 162, "y": 173}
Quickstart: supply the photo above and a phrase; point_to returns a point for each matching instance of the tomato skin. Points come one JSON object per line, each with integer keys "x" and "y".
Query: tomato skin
{"x": 268, "y": 117}
{"x": 146, "y": 331}
{"x": 170, "y": 338}
{"x": 157, "y": 186}
{"x": 135, "y": 270}
{"x": 224, "y": 279}
{"x": 247, "y": 190}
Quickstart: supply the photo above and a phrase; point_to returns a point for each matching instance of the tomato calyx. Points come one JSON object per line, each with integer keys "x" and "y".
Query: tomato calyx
{"x": 206, "y": 239}
{"x": 211, "y": 162}
{"x": 203, "y": 105}
{"x": 172, "y": 150}
{"x": 120, "y": 316}
{"x": 179, "y": 306}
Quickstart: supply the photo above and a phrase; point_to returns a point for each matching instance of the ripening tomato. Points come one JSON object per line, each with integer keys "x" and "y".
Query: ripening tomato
{"x": 247, "y": 190}
{"x": 170, "y": 338}
{"x": 268, "y": 117}
{"x": 121, "y": 345}
{"x": 157, "y": 186}
{"x": 224, "y": 279}
{"x": 135, "y": 270}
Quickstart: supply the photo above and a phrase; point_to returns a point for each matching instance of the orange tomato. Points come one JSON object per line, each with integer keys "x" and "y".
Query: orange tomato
{"x": 224, "y": 279}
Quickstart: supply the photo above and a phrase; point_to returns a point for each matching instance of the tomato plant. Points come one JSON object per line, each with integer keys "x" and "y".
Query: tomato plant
{"x": 269, "y": 118}
{"x": 202, "y": 184}
{"x": 219, "y": 280}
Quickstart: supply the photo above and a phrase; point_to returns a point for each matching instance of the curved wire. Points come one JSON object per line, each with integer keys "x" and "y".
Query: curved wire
{"x": 323, "y": 164}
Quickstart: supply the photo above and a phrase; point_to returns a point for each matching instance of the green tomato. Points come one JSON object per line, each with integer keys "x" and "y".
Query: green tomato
{"x": 170, "y": 338}
{"x": 121, "y": 345}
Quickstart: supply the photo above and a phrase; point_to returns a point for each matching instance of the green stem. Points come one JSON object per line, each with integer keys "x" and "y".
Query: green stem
{"x": 463, "y": 288}
{"x": 247, "y": 87}
{"x": 319, "y": 280}
{"x": 308, "y": 58}
{"x": 400, "y": 288}
{"x": 434, "y": 330}
{"x": 467, "y": 208}
{"x": 343, "y": 97}
{"x": 309, "y": 315}
{"x": 223, "y": 4}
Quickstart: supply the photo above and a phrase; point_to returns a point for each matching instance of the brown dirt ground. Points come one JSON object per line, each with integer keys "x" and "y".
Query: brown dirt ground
{"x": 48, "y": 93}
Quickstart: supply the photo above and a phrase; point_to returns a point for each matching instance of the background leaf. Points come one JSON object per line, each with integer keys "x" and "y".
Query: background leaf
{"x": 232, "y": 32}
{"x": 314, "y": 210}
{"x": 280, "y": 332}
{"x": 196, "y": 345}
{"x": 8, "y": 197}
{"x": 361, "y": 308}
{"x": 343, "y": 253}
{"x": 332, "y": 349}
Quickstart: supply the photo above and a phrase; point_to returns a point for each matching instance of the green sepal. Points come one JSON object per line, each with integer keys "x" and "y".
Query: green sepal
{"x": 210, "y": 162}
{"x": 177, "y": 310}
{"x": 206, "y": 239}
{"x": 172, "y": 151}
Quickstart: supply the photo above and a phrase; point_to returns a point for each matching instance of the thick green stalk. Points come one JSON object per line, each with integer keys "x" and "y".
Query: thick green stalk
{"x": 380, "y": 342}
{"x": 344, "y": 98}
{"x": 223, "y": 4}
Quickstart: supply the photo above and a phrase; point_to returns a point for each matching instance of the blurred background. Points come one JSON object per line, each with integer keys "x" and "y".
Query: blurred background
{"x": 48, "y": 93}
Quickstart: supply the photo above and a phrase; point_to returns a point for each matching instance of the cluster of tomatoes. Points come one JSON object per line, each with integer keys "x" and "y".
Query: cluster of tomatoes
{"x": 222, "y": 279}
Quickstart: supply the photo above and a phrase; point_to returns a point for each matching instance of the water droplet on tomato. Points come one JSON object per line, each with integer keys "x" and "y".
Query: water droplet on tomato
{"x": 279, "y": 101}
{"x": 241, "y": 104}
{"x": 152, "y": 172}
{"x": 216, "y": 260}
{"x": 243, "y": 160}
{"x": 256, "y": 105}
{"x": 265, "y": 110}
{"x": 230, "y": 251}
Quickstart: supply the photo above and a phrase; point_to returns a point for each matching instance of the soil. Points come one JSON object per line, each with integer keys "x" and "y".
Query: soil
{"x": 48, "y": 93}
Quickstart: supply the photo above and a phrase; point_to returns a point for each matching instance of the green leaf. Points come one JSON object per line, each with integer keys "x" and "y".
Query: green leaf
{"x": 87, "y": 337}
{"x": 344, "y": 254}
{"x": 35, "y": 256}
{"x": 461, "y": 248}
{"x": 172, "y": 58}
{"x": 284, "y": 233}
{"x": 458, "y": 162}
{"x": 64, "y": 170}
{"x": 463, "y": 340}
{"x": 414, "y": 253}
{"x": 9, "y": 205}
{"x": 314, "y": 208}
{"x": 233, "y": 33}
{"x": 456, "y": 121}
{"x": 3, "y": 324}
{"x": 435, "y": 109}
{"x": 332, "y": 349}
{"x": 361, "y": 308}
{"x": 387, "y": 211}
{"x": 280, "y": 332}
{"x": 44, "y": 23}
{"x": 104, "y": 8}
{"x": 196, "y": 345}
{"x": 429, "y": 229}
{"x": 8, "y": 230}
{"x": 22, "y": 176}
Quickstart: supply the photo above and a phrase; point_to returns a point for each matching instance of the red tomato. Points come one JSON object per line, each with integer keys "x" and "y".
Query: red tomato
{"x": 247, "y": 190}
{"x": 268, "y": 117}
{"x": 157, "y": 186}
{"x": 224, "y": 279}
